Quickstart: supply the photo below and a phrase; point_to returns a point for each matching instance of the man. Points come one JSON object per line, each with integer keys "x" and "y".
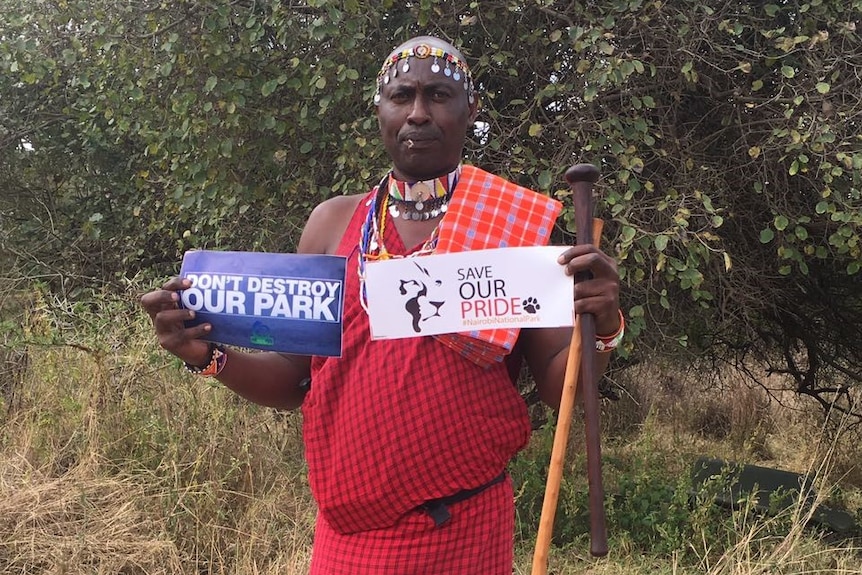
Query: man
{"x": 407, "y": 440}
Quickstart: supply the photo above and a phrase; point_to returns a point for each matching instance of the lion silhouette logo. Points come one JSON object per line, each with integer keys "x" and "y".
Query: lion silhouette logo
{"x": 419, "y": 305}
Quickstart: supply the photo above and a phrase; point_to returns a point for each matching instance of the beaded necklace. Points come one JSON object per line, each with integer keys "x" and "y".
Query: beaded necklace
{"x": 371, "y": 245}
{"x": 421, "y": 200}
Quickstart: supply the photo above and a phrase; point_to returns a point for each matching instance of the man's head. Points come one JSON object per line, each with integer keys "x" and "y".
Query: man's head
{"x": 425, "y": 103}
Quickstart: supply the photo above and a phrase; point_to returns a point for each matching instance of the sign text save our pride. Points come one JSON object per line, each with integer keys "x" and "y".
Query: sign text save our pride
{"x": 469, "y": 291}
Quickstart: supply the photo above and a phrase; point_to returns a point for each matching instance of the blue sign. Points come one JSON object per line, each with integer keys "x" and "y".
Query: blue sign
{"x": 278, "y": 302}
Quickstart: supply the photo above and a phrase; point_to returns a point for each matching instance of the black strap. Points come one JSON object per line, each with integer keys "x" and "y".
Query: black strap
{"x": 438, "y": 509}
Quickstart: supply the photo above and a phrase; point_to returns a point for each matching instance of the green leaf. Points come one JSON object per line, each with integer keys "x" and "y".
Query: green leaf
{"x": 822, "y": 87}
{"x": 780, "y": 223}
{"x": 628, "y": 234}
{"x": 210, "y": 84}
{"x": 306, "y": 147}
{"x": 660, "y": 242}
{"x": 771, "y": 10}
{"x": 787, "y": 71}
{"x": 226, "y": 148}
{"x": 801, "y": 233}
{"x": 853, "y": 268}
{"x": 535, "y": 130}
{"x": 821, "y": 207}
{"x": 269, "y": 87}
{"x": 766, "y": 235}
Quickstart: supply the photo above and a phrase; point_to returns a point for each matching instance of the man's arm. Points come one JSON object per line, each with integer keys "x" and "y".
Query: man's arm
{"x": 546, "y": 350}
{"x": 268, "y": 378}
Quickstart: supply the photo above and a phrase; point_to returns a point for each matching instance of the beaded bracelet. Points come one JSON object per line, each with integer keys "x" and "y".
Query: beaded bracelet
{"x": 216, "y": 363}
{"x": 608, "y": 343}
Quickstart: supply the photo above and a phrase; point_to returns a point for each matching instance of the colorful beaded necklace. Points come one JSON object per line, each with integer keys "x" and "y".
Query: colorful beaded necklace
{"x": 420, "y": 200}
{"x": 371, "y": 235}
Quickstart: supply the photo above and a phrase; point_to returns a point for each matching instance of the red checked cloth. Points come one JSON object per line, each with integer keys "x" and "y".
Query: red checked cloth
{"x": 394, "y": 423}
{"x": 489, "y": 212}
{"x": 476, "y": 541}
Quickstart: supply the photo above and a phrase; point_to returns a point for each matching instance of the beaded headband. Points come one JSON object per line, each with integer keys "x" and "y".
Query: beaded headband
{"x": 452, "y": 67}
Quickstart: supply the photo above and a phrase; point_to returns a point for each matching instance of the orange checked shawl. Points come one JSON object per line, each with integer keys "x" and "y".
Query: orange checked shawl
{"x": 489, "y": 212}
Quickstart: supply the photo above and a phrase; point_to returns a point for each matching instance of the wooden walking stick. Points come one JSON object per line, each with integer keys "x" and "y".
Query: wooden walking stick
{"x": 580, "y": 366}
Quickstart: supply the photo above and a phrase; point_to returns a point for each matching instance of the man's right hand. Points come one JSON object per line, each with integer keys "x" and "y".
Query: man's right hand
{"x": 169, "y": 319}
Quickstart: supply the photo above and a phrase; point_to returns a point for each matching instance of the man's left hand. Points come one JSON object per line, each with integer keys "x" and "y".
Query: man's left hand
{"x": 598, "y": 295}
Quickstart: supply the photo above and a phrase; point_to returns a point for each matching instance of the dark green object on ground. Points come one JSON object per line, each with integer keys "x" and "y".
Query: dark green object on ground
{"x": 774, "y": 490}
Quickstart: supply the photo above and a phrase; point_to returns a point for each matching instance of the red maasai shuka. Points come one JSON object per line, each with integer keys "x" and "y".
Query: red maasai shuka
{"x": 487, "y": 212}
{"x": 477, "y": 540}
{"x": 394, "y": 423}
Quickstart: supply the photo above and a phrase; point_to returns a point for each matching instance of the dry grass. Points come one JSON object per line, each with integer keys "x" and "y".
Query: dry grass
{"x": 113, "y": 460}
{"x": 674, "y": 417}
{"x": 169, "y": 476}
{"x": 79, "y": 523}
{"x": 795, "y": 551}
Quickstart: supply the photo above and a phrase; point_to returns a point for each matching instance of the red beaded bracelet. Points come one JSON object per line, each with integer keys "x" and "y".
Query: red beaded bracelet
{"x": 218, "y": 359}
{"x": 608, "y": 343}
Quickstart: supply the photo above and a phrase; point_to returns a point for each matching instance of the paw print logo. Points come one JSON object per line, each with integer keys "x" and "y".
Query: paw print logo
{"x": 531, "y": 305}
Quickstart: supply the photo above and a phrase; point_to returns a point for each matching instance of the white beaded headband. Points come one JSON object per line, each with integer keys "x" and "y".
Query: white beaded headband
{"x": 452, "y": 67}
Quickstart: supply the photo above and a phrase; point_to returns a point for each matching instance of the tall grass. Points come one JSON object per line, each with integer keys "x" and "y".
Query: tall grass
{"x": 117, "y": 461}
{"x": 114, "y": 460}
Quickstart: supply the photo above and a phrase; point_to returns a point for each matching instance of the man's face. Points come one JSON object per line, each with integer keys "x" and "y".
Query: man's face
{"x": 423, "y": 120}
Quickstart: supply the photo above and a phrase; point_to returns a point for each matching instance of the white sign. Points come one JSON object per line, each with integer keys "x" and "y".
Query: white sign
{"x": 468, "y": 291}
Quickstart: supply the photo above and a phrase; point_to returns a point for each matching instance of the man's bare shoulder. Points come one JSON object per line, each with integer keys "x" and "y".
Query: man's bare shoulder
{"x": 327, "y": 223}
